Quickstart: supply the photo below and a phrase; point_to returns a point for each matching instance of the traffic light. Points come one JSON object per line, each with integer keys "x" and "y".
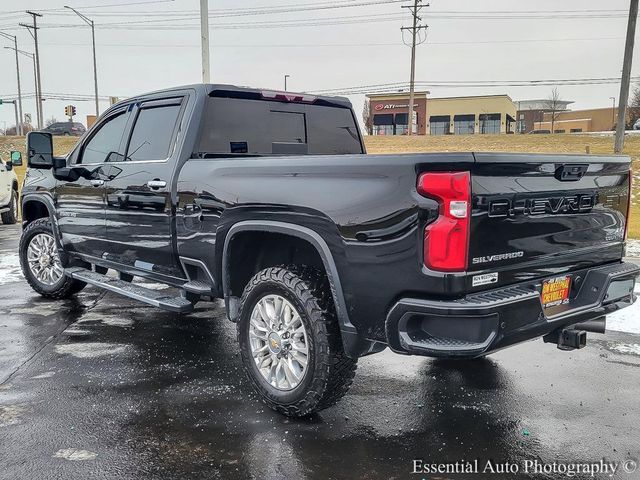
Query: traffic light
{"x": 70, "y": 110}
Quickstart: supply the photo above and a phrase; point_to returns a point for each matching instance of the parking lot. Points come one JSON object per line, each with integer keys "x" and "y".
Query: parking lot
{"x": 103, "y": 387}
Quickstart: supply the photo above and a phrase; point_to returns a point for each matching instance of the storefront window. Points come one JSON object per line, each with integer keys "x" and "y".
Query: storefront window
{"x": 464, "y": 124}
{"x": 490, "y": 123}
{"x": 383, "y": 124}
{"x": 439, "y": 124}
{"x": 402, "y": 126}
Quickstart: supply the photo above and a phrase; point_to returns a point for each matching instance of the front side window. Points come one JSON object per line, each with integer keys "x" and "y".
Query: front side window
{"x": 153, "y": 133}
{"x": 106, "y": 141}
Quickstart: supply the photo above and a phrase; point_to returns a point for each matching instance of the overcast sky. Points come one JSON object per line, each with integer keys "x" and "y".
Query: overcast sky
{"x": 133, "y": 60}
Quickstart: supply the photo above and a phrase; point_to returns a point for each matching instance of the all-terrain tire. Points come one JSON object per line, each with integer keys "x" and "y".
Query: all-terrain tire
{"x": 65, "y": 286}
{"x": 11, "y": 216}
{"x": 329, "y": 371}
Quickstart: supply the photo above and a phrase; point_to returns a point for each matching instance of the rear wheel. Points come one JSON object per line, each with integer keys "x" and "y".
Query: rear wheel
{"x": 290, "y": 341}
{"x": 41, "y": 264}
{"x": 11, "y": 216}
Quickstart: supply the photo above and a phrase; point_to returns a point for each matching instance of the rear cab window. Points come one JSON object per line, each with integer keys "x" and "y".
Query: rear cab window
{"x": 265, "y": 127}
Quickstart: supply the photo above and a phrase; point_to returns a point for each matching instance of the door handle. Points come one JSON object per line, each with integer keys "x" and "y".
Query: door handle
{"x": 97, "y": 182}
{"x": 156, "y": 184}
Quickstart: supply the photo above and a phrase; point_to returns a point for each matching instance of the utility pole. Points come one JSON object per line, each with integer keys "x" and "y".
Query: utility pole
{"x": 19, "y": 130}
{"x": 204, "y": 38}
{"x": 33, "y": 29}
{"x": 285, "y": 82}
{"x": 626, "y": 77}
{"x": 415, "y": 29}
{"x": 93, "y": 41}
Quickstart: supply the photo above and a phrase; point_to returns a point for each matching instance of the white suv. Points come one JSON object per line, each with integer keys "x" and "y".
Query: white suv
{"x": 9, "y": 199}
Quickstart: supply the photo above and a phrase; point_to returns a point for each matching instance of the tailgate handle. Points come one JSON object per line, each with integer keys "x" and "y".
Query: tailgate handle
{"x": 571, "y": 172}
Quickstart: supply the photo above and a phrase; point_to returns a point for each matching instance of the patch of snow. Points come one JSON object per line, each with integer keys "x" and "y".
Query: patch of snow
{"x": 117, "y": 322}
{"x": 44, "y": 375}
{"x": 10, "y": 414}
{"x": 627, "y": 319}
{"x": 632, "y": 348}
{"x": 75, "y": 455}
{"x": 91, "y": 349}
{"x": 9, "y": 268}
{"x": 633, "y": 248}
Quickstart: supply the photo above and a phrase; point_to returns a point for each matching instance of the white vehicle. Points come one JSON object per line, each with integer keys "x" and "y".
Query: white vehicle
{"x": 9, "y": 199}
{"x": 636, "y": 126}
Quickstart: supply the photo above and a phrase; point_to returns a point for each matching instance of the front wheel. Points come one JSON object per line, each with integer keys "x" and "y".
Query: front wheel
{"x": 41, "y": 264}
{"x": 290, "y": 341}
{"x": 11, "y": 216}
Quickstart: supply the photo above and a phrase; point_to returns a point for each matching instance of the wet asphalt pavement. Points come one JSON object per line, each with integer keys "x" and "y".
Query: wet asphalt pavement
{"x": 104, "y": 387}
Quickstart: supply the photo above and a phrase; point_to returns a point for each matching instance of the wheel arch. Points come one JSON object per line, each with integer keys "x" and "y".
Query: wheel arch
{"x": 39, "y": 206}
{"x": 353, "y": 344}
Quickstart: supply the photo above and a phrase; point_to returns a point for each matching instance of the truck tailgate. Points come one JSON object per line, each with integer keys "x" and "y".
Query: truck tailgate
{"x": 537, "y": 215}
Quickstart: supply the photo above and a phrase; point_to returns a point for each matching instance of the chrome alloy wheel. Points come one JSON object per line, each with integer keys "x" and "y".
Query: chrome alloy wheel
{"x": 278, "y": 342}
{"x": 43, "y": 259}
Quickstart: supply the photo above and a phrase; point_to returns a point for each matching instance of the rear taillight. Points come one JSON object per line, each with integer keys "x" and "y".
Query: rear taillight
{"x": 626, "y": 220}
{"x": 446, "y": 240}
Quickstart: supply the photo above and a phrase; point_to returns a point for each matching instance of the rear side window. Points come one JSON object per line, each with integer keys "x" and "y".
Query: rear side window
{"x": 261, "y": 127}
{"x": 153, "y": 133}
{"x": 106, "y": 141}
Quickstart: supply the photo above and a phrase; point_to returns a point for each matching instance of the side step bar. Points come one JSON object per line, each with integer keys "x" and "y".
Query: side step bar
{"x": 137, "y": 292}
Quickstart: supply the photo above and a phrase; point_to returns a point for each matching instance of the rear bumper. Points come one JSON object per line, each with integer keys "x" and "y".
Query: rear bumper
{"x": 484, "y": 322}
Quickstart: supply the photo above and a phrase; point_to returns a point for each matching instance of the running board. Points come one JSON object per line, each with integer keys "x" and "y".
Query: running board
{"x": 137, "y": 292}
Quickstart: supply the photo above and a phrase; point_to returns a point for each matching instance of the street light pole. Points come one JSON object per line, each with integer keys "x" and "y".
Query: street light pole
{"x": 19, "y": 130}
{"x": 613, "y": 112}
{"x": 35, "y": 79}
{"x": 93, "y": 42}
{"x": 285, "y": 82}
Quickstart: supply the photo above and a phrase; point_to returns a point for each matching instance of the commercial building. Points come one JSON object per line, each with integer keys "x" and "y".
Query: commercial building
{"x": 486, "y": 114}
{"x": 390, "y": 112}
{"x": 576, "y": 121}
{"x": 531, "y": 113}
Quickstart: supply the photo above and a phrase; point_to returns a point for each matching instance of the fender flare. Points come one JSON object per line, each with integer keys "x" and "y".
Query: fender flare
{"x": 48, "y": 203}
{"x": 354, "y": 345}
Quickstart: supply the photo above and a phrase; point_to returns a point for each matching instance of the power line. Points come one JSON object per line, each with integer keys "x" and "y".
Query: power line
{"x": 403, "y": 86}
{"x": 333, "y": 45}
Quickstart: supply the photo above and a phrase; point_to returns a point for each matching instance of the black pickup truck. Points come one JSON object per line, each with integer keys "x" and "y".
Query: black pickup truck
{"x": 322, "y": 253}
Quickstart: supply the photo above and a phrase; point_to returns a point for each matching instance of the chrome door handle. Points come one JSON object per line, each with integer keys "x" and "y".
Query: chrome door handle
{"x": 155, "y": 184}
{"x": 97, "y": 182}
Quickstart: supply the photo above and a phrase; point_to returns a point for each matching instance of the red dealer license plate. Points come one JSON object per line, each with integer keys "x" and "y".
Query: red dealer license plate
{"x": 555, "y": 291}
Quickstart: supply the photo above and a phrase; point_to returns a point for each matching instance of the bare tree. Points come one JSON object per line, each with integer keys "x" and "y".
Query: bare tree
{"x": 366, "y": 117}
{"x": 633, "y": 112}
{"x": 50, "y": 121}
{"x": 553, "y": 106}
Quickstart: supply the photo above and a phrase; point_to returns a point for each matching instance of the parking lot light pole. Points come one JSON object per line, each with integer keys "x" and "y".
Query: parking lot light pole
{"x": 285, "y": 82}
{"x": 93, "y": 41}
{"x": 19, "y": 130}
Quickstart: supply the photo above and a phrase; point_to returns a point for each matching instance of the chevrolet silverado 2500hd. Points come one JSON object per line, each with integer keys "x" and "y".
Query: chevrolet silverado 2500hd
{"x": 321, "y": 252}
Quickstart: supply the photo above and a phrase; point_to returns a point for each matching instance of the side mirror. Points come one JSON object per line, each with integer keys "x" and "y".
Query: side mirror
{"x": 16, "y": 159}
{"x": 39, "y": 150}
